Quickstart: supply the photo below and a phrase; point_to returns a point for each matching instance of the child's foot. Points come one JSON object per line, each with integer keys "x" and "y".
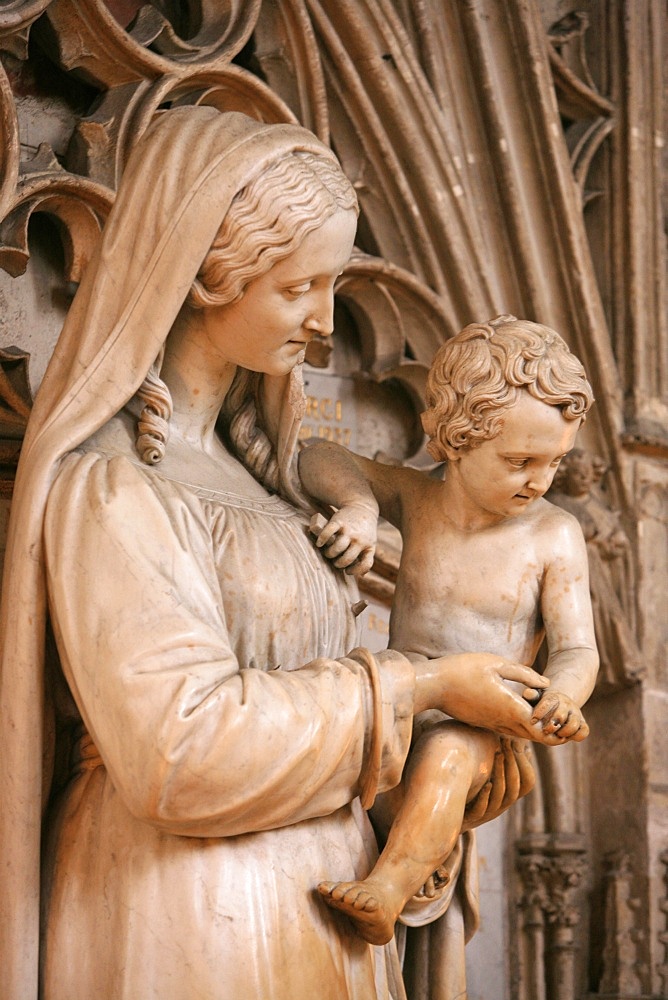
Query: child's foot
{"x": 371, "y": 918}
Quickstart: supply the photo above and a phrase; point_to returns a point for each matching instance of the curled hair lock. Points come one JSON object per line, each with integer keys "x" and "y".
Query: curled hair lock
{"x": 153, "y": 424}
{"x": 478, "y": 374}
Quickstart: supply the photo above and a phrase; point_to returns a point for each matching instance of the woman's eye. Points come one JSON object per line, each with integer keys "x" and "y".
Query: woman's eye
{"x": 296, "y": 291}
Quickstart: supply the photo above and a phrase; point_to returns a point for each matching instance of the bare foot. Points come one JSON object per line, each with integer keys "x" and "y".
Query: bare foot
{"x": 371, "y": 918}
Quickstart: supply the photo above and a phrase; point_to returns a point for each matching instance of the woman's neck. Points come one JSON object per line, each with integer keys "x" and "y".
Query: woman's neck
{"x": 197, "y": 384}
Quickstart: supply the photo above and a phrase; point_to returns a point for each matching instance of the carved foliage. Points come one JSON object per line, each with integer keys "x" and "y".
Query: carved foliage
{"x": 114, "y": 43}
{"x": 9, "y": 147}
{"x": 553, "y": 870}
{"x": 16, "y": 18}
{"x": 103, "y": 140}
{"x": 15, "y": 404}
{"x": 77, "y": 205}
{"x": 553, "y": 873}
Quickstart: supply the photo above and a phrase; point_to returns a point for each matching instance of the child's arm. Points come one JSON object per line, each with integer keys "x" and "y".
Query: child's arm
{"x": 572, "y": 662}
{"x": 360, "y": 489}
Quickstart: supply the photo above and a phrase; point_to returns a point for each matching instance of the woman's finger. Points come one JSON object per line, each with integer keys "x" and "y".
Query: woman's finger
{"x": 511, "y": 773}
{"x": 527, "y": 773}
{"x": 525, "y": 675}
{"x": 478, "y": 808}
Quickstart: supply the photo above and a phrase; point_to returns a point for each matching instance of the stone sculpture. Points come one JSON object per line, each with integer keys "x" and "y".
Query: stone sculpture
{"x": 181, "y": 687}
{"x": 576, "y": 489}
{"x": 487, "y": 564}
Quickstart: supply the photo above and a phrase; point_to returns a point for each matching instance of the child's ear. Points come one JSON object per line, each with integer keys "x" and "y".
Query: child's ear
{"x": 451, "y": 454}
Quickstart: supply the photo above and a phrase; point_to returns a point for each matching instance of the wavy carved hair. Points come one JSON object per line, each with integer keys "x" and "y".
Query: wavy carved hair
{"x": 478, "y": 374}
{"x": 266, "y": 221}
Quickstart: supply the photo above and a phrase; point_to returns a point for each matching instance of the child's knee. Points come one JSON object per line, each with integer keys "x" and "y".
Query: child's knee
{"x": 453, "y": 744}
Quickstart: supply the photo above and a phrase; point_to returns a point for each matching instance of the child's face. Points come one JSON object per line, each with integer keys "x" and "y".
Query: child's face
{"x": 503, "y": 475}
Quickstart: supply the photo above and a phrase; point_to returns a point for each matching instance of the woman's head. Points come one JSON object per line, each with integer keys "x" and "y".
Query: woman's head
{"x": 477, "y": 375}
{"x": 269, "y": 217}
{"x": 267, "y": 220}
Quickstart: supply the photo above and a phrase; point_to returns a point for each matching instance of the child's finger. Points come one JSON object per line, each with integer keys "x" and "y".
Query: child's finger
{"x": 545, "y": 707}
{"x": 323, "y": 530}
{"x": 573, "y": 726}
{"x": 336, "y": 545}
{"x": 365, "y": 560}
{"x": 347, "y": 557}
{"x": 362, "y": 562}
{"x": 582, "y": 733}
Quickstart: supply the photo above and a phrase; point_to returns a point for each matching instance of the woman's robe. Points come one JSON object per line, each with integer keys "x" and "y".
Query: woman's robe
{"x": 185, "y": 865}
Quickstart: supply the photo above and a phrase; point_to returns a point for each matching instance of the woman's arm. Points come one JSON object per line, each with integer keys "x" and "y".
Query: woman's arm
{"x": 194, "y": 744}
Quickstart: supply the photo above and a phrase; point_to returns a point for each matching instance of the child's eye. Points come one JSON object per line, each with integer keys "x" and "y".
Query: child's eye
{"x": 517, "y": 463}
{"x": 296, "y": 291}
{"x": 556, "y": 463}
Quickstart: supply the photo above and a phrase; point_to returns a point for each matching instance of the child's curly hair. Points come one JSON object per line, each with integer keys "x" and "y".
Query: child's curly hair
{"x": 478, "y": 374}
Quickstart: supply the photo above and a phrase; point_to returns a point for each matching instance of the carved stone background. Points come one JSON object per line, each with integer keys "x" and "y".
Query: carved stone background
{"x": 509, "y": 157}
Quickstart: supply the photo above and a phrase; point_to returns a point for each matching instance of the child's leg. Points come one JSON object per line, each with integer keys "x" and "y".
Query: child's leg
{"x": 447, "y": 767}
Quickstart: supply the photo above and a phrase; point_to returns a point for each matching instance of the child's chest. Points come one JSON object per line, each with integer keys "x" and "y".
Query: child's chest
{"x": 493, "y": 575}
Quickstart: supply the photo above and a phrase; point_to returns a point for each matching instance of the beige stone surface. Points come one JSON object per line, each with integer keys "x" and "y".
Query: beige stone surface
{"x": 222, "y": 735}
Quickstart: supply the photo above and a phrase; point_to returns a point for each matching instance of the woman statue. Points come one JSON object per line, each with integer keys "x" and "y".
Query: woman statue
{"x": 223, "y": 738}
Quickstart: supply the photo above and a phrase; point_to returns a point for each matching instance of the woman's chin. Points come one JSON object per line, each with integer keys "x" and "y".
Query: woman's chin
{"x": 290, "y": 357}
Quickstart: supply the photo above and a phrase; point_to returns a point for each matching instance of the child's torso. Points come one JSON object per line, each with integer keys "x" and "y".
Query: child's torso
{"x": 477, "y": 591}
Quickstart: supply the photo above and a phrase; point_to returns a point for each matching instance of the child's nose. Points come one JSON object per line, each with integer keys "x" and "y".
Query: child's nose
{"x": 540, "y": 480}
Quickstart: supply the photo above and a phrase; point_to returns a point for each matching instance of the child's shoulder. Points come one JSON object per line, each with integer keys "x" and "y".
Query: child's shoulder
{"x": 556, "y": 525}
{"x": 407, "y": 479}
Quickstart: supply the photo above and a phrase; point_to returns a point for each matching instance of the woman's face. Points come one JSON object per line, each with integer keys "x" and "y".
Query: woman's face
{"x": 268, "y": 328}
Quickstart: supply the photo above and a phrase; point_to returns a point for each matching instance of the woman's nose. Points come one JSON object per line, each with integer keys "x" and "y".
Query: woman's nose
{"x": 321, "y": 316}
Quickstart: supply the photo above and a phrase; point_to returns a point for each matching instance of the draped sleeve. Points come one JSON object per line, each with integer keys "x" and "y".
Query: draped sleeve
{"x": 194, "y": 742}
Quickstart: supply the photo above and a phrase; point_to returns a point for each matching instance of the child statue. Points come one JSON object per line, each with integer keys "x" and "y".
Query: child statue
{"x": 487, "y": 565}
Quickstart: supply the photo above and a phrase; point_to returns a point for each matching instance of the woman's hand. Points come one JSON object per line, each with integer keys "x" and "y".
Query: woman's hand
{"x": 512, "y": 777}
{"x": 472, "y": 687}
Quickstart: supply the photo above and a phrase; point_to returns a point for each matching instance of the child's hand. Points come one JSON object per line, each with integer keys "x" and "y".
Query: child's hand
{"x": 560, "y": 717}
{"x": 348, "y": 538}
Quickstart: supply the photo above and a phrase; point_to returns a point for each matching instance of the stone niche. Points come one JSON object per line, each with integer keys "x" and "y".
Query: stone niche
{"x": 508, "y": 158}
